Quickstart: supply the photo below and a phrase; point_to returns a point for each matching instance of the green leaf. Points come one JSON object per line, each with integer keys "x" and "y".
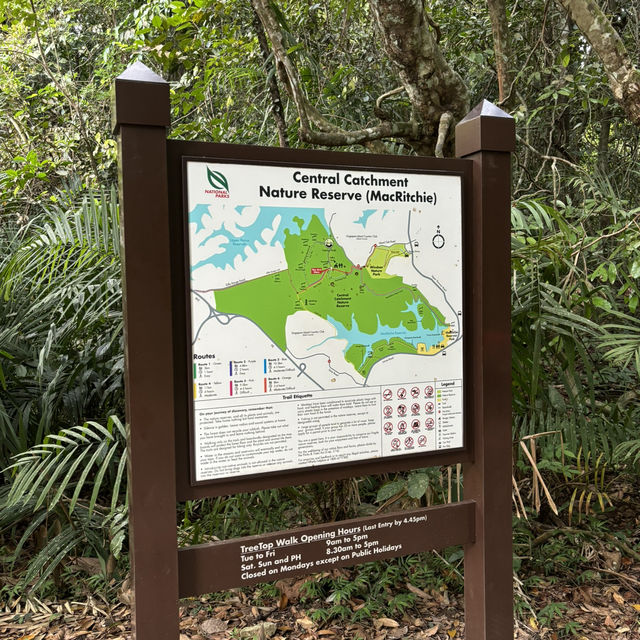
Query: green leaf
{"x": 556, "y": 399}
{"x": 635, "y": 268}
{"x": 601, "y": 303}
{"x": 417, "y": 485}
{"x": 389, "y": 490}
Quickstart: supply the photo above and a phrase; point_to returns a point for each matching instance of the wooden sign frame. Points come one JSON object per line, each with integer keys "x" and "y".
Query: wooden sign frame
{"x": 181, "y": 151}
{"x": 157, "y": 369}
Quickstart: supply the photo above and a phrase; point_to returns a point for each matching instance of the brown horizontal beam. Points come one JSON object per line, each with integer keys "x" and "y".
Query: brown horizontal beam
{"x": 244, "y": 561}
{"x": 324, "y": 473}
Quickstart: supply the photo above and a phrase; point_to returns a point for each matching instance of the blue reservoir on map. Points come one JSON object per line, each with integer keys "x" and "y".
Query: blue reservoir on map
{"x": 252, "y": 234}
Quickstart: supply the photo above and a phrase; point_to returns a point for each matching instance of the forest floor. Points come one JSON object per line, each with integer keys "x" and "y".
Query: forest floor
{"x": 608, "y": 609}
{"x": 574, "y": 582}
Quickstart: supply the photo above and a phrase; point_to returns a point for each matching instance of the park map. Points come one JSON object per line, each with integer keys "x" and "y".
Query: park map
{"x": 298, "y": 288}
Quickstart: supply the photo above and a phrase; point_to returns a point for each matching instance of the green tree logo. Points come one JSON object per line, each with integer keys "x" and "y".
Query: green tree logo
{"x": 217, "y": 180}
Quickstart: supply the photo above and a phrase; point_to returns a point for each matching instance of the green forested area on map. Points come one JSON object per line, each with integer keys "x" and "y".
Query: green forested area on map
{"x": 327, "y": 74}
{"x": 320, "y": 278}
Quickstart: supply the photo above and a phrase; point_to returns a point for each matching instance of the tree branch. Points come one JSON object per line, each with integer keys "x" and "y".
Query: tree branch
{"x": 274, "y": 91}
{"x": 338, "y": 137}
{"x": 443, "y": 129}
{"x": 314, "y": 127}
{"x": 60, "y": 87}
{"x": 502, "y": 50}
{"x": 432, "y": 85}
{"x": 388, "y": 94}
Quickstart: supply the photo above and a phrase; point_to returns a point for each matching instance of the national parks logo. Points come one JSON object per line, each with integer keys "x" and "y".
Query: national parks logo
{"x": 219, "y": 183}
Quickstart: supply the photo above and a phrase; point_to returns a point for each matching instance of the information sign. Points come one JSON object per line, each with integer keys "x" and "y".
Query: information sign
{"x": 326, "y": 315}
{"x": 314, "y": 549}
{"x": 303, "y": 311}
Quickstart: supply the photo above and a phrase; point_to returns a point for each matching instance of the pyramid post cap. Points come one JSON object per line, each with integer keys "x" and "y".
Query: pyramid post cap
{"x": 485, "y": 128}
{"x": 140, "y": 97}
{"x": 139, "y": 72}
{"x": 486, "y": 108}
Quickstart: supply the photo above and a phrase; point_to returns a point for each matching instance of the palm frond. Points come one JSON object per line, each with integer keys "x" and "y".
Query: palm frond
{"x": 65, "y": 464}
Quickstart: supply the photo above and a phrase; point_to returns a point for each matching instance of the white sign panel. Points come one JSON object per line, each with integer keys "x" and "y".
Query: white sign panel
{"x": 326, "y": 315}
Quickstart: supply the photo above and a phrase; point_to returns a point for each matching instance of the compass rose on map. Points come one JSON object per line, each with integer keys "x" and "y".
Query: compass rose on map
{"x": 438, "y": 239}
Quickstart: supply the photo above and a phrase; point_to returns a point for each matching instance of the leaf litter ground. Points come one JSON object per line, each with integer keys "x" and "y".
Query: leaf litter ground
{"x": 607, "y": 610}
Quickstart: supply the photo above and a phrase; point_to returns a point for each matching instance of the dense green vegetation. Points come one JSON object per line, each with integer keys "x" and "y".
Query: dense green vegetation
{"x": 575, "y": 260}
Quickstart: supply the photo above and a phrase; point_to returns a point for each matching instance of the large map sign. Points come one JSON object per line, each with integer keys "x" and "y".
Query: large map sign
{"x": 326, "y": 315}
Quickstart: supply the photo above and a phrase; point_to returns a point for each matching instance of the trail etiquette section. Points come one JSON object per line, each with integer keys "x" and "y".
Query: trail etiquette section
{"x": 326, "y": 315}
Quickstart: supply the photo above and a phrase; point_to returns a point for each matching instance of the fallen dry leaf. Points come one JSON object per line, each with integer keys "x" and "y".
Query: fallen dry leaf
{"x": 386, "y": 622}
{"x": 262, "y": 630}
{"x": 397, "y": 634}
{"x": 125, "y": 595}
{"x": 431, "y": 632}
{"x": 419, "y": 592}
{"x": 213, "y": 625}
{"x": 305, "y": 623}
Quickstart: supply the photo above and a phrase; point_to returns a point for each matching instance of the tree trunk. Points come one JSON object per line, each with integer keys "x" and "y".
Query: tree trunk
{"x": 624, "y": 78}
{"x": 502, "y": 51}
{"x": 433, "y": 87}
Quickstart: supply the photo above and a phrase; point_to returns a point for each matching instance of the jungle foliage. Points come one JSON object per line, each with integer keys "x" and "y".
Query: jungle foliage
{"x": 575, "y": 248}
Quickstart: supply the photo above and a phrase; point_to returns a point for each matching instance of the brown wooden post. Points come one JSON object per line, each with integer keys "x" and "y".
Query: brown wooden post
{"x": 486, "y": 136}
{"x": 141, "y": 116}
